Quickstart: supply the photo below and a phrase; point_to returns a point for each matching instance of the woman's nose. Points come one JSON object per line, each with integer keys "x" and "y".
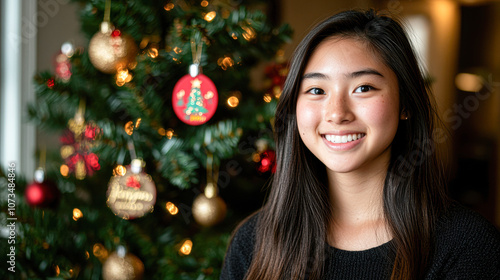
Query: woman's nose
{"x": 338, "y": 110}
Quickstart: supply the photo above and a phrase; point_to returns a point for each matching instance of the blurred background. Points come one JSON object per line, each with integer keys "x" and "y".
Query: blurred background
{"x": 46, "y": 71}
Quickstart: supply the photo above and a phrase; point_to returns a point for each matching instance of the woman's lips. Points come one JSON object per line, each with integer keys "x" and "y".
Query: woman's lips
{"x": 337, "y": 139}
{"x": 343, "y": 142}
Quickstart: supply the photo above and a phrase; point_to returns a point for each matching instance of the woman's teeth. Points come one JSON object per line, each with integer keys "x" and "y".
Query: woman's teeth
{"x": 343, "y": 138}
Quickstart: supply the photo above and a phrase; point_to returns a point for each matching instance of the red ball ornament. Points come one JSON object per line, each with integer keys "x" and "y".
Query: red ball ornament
{"x": 42, "y": 193}
{"x": 267, "y": 161}
{"x": 195, "y": 99}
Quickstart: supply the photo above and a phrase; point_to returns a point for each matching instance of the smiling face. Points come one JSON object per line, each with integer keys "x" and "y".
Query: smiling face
{"x": 348, "y": 107}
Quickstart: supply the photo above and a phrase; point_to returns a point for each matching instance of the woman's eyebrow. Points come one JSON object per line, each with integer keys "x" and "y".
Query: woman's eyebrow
{"x": 367, "y": 71}
{"x": 315, "y": 75}
{"x": 352, "y": 75}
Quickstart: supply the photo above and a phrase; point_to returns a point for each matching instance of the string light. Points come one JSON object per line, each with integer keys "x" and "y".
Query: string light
{"x": 99, "y": 251}
{"x": 153, "y": 52}
{"x": 171, "y": 208}
{"x": 129, "y": 127}
{"x": 77, "y": 214}
{"x": 249, "y": 33}
{"x": 122, "y": 77}
{"x": 169, "y": 6}
{"x": 267, "y": 97}
{"x": 225, "y": 62}
{"x": 119, "y": 170}
{"x": 277, "y": 91}
{"x": 186, "y": 247}
{"x": 138, "y": 122}
{"x": 64, "y": 169}
{"x": 169, "y": 133}
{"x": 204, "y": 3}
{"x": 210, "y": 16}
{"x": 233, "y": 101}
{"x": 57, "y": 270}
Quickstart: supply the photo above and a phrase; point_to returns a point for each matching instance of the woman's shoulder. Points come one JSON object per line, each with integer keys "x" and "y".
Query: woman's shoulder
{"x": 244, "y": 234}
{"x": 466, "y": 245}
{"x": 240, "y": 250}
{"x": 465, "y": 224}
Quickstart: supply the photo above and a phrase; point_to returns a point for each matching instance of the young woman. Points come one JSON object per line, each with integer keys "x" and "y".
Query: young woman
{"x": 358, "y": 191}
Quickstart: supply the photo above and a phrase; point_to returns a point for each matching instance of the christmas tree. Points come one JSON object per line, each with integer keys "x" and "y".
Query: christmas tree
{"x": 135, "y": 189}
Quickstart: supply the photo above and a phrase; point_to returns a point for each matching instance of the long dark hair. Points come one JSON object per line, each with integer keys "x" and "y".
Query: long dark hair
{"x": 292, "y": 225}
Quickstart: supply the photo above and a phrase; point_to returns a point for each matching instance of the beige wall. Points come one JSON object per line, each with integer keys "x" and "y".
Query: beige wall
{"x": 303, "y": 15}
{"x": 57, "y": 24}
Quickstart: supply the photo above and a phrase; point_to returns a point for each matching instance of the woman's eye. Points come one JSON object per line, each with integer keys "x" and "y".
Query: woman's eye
{"x": 316, "y": 91}
{"x": 364, "y": 88}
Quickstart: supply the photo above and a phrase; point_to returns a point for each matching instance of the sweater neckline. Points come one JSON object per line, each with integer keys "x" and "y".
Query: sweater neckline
{"x": 381, "y": 250}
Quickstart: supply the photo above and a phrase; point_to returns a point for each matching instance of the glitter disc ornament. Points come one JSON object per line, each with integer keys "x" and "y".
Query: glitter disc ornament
{"x": 208, "y": 208}
{"x": 195, "y": 99}
{"x": 122, "y": 266}
{"x": 110, "y": 50}
{"x": 133, "y": 194}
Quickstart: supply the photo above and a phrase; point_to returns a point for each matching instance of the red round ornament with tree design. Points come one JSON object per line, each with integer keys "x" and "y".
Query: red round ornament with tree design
{"x": 195, "y": 99}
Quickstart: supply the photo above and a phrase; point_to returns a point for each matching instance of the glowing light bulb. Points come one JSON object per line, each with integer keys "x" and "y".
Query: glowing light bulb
{"x": 153, "y": 52}
{"x": 77, "y": 214}
{"x": 233, "y": 101}
{"x": 268, "y": 98}
{"x": 129, "y": 127}
{"x": 64, "y": 169}
{"x": 169, "y": 133}
{"x": 186, "y": 247}
{"x": 210, "y": 16}
{"x": 171, "y": 208}
{"x": 169, "y": 6}
{"x": 120, "y": 170}
{"x": 249, "y": 33}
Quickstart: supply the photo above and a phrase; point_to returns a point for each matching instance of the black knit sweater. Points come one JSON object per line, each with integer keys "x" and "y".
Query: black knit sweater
{"x": 467, "y": 247}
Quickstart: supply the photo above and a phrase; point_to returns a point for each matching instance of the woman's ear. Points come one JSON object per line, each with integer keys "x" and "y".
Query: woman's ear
{"x": 404, "y": 115}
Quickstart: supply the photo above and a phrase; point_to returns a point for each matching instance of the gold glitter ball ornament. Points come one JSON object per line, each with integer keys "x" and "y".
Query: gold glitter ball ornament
{"x": 128, "y": 267}
{"x": 209, "y": 211}
{"x": 112, "y": 50}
